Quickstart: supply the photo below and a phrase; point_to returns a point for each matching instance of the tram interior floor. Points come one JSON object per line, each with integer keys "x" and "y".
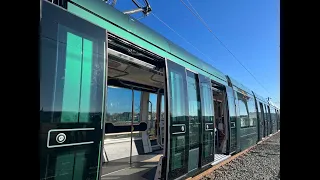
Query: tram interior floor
{"x": 142, "y": 167}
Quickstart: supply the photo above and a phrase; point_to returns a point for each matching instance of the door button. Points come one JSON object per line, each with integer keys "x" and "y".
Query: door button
{"x": 182, "y": 128}
{"x": 61, "y": 137}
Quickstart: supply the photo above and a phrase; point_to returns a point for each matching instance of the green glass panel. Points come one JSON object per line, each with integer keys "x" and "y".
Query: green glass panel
{"x": 86, "y": 81}
{"x": 71, "y": 90}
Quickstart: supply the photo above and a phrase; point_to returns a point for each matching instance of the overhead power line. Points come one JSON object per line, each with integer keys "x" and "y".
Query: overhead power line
{"x": 179, "y": 35}
{"x": 201, "y": 19}
{"x": 196, "y": 14}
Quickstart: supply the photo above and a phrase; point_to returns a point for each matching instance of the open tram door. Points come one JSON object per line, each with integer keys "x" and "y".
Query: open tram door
{"x": 176, "y": 146}
{"x": 72, "y": 90}
{"x": 232, "y": 115}
{"x": 234, "y": 121}
{"x": 190, "y": 136}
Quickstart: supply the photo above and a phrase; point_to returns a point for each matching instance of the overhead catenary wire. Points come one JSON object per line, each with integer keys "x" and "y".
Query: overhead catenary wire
{"x": 178, "y": 34}
{"x": 197, "y": 15}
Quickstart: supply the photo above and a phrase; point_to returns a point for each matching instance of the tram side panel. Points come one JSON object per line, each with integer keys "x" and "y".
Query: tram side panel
{"x": 70, "y": 123}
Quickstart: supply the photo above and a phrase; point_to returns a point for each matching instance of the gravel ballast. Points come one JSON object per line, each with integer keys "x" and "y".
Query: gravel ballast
{"x": 261, "y": 162}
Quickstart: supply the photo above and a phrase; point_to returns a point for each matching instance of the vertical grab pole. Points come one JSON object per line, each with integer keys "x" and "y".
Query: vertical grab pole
{"x": 40, "y": 9}
{"x": 132, "y": 111}
{"x": 151, "y": 120}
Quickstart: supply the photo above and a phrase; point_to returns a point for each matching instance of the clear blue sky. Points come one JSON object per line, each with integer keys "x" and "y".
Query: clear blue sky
{"x": 249, "y": 28}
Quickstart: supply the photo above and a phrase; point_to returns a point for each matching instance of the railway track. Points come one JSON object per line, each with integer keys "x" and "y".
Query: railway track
{"x": 259, "y": 162}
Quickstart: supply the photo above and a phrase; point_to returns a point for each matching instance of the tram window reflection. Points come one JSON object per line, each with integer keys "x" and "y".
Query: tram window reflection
{"x": 119, "y": 105}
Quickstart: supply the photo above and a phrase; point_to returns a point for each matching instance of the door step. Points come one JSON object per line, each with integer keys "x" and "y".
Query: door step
{"x": 219, "y": 158}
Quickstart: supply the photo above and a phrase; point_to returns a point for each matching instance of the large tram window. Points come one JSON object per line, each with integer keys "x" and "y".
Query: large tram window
{"x": 274, "y": 120}
{"x": 152, "y": 114}
{"x": 194, "y": 119}
{"x": 178, "y": 110}
{"x": 252, "y": 112}
{"x": 194, "y": 108}
{"x": 266, "y": 114}
{"x": 72, "y": 92}
{"x": 119, "y": 105}
{"x": 162, "y": 108}
{"x": 262, "y": 120}
{"x": 162, "y": 116}
{"x": 243, "y": 111}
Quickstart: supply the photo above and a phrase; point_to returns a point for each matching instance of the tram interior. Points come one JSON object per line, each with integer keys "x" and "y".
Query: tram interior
{"x": 221, "y": 121}
{"x": 135, "y": 98}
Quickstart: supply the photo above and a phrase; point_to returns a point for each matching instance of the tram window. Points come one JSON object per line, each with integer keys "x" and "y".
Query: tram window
{"x": 274, "y": 116}
{"x": 243, "y": 110}
{"x": 243, "y": 114}
{"x": 119, "y": 105}
{"x": 152, "y": 109}
{"x": 162, "y": 108}
{"x": 162, "y": 114}
{"x": 178, "y": 109}
{"x": 252, "y": 112}
{"x": 136, "y": 107}
{"x": 207, "y": 99}
{"x": 71, "y": 81}
{"x": 194, "y": 108}
{"x": 266, "y": 113}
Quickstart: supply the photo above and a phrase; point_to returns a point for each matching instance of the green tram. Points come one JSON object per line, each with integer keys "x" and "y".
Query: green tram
{"x": 119, "y": 101}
